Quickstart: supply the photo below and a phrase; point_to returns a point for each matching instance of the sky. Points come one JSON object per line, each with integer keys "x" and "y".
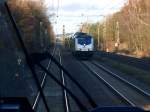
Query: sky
{"x": 72, "y": 13}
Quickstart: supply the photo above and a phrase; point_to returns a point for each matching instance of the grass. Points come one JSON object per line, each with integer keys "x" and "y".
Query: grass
{"x": 137, "y": 73}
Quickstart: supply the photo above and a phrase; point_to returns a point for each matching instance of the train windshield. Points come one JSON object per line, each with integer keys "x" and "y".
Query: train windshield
{"x": 75, "y": 55}
{"x": 85, "y": 41}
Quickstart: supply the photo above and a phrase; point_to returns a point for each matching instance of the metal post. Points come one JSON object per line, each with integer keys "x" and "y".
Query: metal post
{"x": 63, "y": 33}
{"x": 41, "y": 38}
{"x": 98, "y": 36}
{"x": 117, "y": 37}
{"x": 104, "y": 35}
{"x": 117, "y": 28}
{"x": 46, "y": 39}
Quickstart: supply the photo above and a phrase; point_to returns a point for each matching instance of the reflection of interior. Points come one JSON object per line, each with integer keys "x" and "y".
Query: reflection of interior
{"x": 147, "y": 107}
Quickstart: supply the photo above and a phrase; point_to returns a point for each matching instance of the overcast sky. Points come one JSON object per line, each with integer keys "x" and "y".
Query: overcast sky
{"x": 72, "y": 13}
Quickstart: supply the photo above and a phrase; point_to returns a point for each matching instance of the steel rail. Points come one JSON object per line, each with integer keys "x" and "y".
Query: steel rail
{"x": 63, "y": 81}
{"x": 43, "y": 82}
{"x": 109, "y": 85}
{"x": 122, "y": 79}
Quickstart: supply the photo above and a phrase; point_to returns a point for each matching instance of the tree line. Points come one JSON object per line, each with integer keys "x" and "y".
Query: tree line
{"x": 32, "y": 19}
{"x": 126, "y": 31}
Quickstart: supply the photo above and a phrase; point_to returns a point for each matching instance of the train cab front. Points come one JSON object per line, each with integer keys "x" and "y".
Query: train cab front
{"x": 84, "y": 54}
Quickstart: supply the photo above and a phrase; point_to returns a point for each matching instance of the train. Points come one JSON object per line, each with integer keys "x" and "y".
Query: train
{"x": 82, "y": 45}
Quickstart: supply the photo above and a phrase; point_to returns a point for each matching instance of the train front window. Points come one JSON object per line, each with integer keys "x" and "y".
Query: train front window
{"x": 75, "y": 55}
{"x": 85, "y": 41}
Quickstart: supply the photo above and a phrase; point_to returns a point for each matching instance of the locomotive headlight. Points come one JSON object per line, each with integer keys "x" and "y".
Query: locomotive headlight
{"x": 84, "y": 45}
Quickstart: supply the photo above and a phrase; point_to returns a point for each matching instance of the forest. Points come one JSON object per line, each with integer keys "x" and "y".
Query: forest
{"x": 126, "y": 31}
{"x": 34, "y": 24}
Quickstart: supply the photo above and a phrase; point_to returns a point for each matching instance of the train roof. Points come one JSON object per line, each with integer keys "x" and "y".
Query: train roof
{"x": 82, "y": 35}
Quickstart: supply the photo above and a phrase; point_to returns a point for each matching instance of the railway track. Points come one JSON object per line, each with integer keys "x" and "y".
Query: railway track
{"x": 56, "y": 96}
{"x": 130, "y": 93}
{"x": 67, "y": 109}
{"x": 127, "y": 93}
{"x": 53, "y": 90}
{"x": 101, "y": 93}
{"x": 120, "y": 78}
{"x": 36, "y": 101}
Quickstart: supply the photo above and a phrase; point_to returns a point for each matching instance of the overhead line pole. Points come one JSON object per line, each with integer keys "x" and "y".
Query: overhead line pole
{"x": 98, "y": 36}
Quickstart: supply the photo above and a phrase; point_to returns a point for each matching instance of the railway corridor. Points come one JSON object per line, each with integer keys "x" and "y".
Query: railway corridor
{"x": 104, "y": 87}
{"x": 41, "y": 64}
{"x": 100, "y": 93}
{"x": 131, "y": 93}
{"x": 110, "y": 90}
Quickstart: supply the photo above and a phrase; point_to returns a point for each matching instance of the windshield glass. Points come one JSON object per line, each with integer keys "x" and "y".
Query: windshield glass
{"x": 85, "y": 41}
{"x": 108, "y": 66}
